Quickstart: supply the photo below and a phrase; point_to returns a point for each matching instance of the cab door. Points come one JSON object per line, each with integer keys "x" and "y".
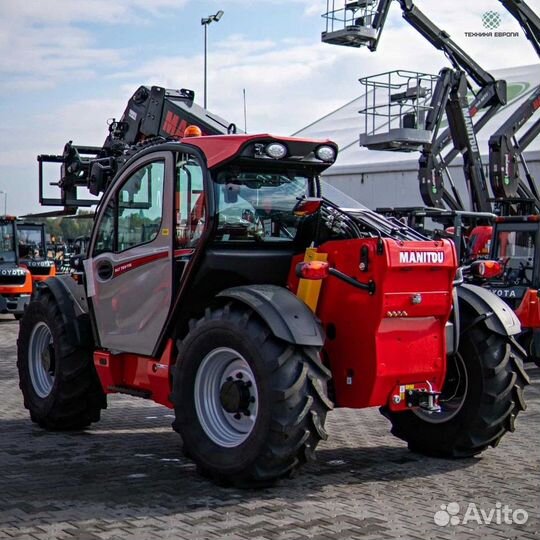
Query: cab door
{"x": 130, "y": 264}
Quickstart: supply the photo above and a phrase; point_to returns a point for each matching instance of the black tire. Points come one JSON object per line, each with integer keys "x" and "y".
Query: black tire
{"x": 66, "y": 394}
{"x": 288, "y": 413}
{"x": 488, "y": 371}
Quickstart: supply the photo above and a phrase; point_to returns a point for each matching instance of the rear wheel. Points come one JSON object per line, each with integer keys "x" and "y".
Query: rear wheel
{"x": 250, "y": 407}
{"x": 481, "y": 397}
{"x": 58, "y": 381}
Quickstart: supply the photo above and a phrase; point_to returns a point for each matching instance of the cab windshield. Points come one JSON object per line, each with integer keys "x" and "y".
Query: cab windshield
{"x": 30, "y": 241}
{"x": 516, "y": 249}
{"x": 257, "y": 205}
{"x": 7, "y": 243}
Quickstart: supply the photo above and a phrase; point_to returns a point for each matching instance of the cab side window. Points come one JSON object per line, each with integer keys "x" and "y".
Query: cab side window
{"x": 133, "y": 216}
{"x": 190, "y": 207}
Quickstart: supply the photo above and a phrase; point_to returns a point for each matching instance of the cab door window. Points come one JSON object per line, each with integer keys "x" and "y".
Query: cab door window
{"x": 134, "y": 215}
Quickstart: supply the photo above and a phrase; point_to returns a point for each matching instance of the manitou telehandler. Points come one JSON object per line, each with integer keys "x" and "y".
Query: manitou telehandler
{"x": 15, "y": 278}
{"x": 219, "y": 281}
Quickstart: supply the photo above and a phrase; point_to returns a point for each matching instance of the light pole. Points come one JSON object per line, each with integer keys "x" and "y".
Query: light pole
{"x": 205, "y": 22}
{"x": 4, "y": 193}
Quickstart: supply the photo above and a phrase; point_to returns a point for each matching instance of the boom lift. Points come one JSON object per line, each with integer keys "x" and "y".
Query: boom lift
{"x": 449, "y": 96}
{"x": 516, "y": 235}
{"x": 505, "y": 150}
{"x": 220, "y": 282}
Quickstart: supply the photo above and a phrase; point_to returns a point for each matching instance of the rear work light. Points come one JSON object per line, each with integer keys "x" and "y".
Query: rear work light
{"x": 312, "y": 270}
{"x": 487, "y": 269}
{"x": 326, "y": 153}
{"x": 276, "y": 150}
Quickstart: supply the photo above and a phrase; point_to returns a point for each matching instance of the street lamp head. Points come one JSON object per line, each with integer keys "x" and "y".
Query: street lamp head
{"x": 212, "y": 18}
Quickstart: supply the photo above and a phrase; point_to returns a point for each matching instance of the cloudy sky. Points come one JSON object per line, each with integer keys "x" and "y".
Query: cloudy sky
{"x": 66, "y": 67}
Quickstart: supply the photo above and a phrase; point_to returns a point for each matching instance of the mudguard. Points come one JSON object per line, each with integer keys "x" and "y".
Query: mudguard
{"x": 72, "y": 303}
{"x": 500, "y": 318}
{"x": 287, "y": 316}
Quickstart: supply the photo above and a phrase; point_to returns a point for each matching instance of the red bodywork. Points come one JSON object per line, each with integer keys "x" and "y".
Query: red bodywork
{"x": 378, "y": 343}
{"x": 479, "y": 241}
{"x": 528, "y": 311}
{"x": 220, "y": 148}
{"x": 139, "y": 373}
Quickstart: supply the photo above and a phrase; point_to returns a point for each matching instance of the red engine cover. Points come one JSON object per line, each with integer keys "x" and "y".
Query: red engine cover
{"x": 395, "y": 336}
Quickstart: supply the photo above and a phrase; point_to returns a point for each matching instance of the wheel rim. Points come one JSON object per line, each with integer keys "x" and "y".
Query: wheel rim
{"x": 453, "y": 393}
{"x": 41, "y": 361}
{"x": 226, "y": 397}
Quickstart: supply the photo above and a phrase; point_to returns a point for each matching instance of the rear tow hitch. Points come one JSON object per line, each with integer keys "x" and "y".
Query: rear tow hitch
{"x": 427, "y": 400}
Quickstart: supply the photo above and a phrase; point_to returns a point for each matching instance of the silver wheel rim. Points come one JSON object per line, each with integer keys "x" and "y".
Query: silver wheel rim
{"x": 453, "y": 393}
{"x": 224, "y": 372}
{"x": 41, "y": 360}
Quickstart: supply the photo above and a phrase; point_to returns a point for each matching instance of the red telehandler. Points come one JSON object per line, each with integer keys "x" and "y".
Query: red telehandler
{"x": 220, "y": 282}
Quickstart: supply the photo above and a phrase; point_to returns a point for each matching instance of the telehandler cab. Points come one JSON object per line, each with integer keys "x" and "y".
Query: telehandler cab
{"x": 219, "y": 281}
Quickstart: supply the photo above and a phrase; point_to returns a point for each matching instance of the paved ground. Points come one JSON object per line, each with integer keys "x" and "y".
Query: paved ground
{"x": 126, "y": 478}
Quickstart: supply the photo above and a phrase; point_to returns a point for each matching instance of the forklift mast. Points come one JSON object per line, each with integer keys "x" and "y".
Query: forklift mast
{"x": 150, "y": 112}
{"x": 505, "y": 150}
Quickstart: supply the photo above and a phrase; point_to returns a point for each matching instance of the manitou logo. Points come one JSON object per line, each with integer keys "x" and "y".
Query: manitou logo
{"x": 421, "y": 257}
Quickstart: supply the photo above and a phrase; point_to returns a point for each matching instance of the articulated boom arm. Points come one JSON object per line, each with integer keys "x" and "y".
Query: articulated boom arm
{"x": 151, "y": 112}
{"x": 505, "y": 153}
{"x": 505, "y": 150}
{"x": 450, "y": 97}
{"x": 491, "y": 95}
{"x": 527, "y": 18}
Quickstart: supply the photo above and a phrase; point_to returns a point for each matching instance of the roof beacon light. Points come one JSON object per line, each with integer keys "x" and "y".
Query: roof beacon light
{"x": 276, "y": 150}
{"x": 193, "y": 131}
{"x": 325, "y": 153}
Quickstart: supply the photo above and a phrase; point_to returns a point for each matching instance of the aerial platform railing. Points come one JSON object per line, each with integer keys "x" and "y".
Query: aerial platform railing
{"x": 350, "y": 25}
{"x": 395, "y": 110}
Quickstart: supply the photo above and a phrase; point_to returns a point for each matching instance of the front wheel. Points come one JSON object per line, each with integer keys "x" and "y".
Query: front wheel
{"x": 58, "y": 381}
{"x": 480, "y": 399}
{"x": 250, "y": 407}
